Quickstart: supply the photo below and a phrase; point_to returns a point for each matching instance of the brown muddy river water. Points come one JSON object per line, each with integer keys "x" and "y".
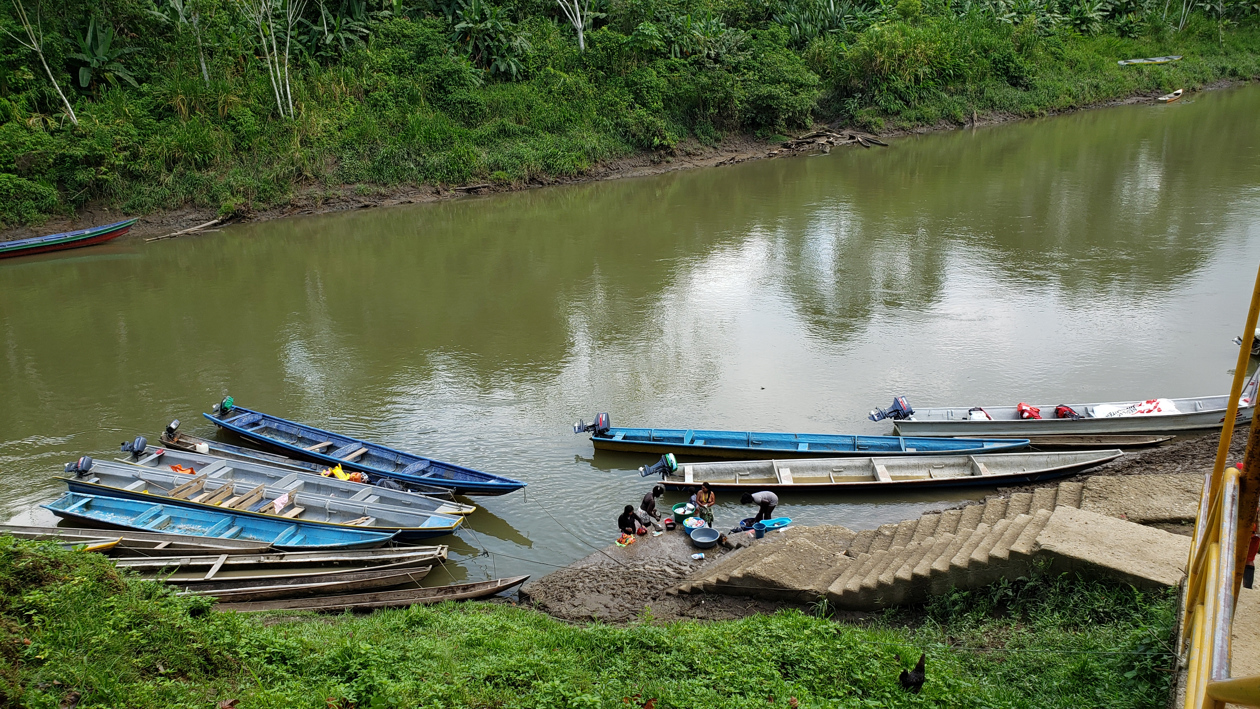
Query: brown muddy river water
{"x": 1098, "y": 256}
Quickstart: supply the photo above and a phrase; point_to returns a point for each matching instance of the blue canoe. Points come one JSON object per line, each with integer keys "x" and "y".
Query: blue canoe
{"x": 112, "y": 512}
{"x": 354, "y": 454}
{"x": 751, "y": 445}
{"x": 65, "y": 240}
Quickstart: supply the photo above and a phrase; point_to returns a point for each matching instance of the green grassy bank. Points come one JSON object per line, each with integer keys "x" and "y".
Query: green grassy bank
{"x": 71, "y": 625}
{"x": 236, "y": 104}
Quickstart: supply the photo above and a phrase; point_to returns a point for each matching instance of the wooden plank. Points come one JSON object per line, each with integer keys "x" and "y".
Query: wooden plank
{"x": 881, "y": 472}
{"x": 354, "y": 455}
{"x": 215, "y": 569}
{"x": 247, "y": 499}
{"x": 293, "y": 512}
{"x": 181, "y": 492}
{"x": 785, "y": 476}
{"x": 362, "y": 521}
{"x": 688, "y": 475}
{"x": 219, "y": 495}
{"x": 317, "y": 446}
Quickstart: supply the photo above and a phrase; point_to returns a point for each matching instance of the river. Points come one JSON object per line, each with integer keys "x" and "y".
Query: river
{"x": 1103, "y": 255}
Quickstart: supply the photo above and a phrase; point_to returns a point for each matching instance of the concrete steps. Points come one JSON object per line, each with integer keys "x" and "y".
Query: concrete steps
{"x": 895, "y": 563}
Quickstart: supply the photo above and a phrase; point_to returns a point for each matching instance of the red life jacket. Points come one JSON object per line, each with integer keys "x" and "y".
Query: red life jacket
{"x": 1063, "y": 411}
{"x": 1027, "y": 412}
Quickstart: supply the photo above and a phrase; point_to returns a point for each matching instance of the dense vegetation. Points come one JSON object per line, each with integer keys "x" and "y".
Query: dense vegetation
{"x": 73, "y": 630}
{"x": 234, "y": 104}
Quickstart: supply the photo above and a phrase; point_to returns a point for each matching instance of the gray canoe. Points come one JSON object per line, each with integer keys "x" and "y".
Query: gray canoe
{"x": 284, "y": 562}
{"x": 1204, "y": 413}
{"x": 235, "y": 591}
{"x": 133, "y": 543}
{"x": 254, "y": 473}
{"x": 884, "y": 473}
{"x": 384, "y": 599}
{"x": 133, "y": 482}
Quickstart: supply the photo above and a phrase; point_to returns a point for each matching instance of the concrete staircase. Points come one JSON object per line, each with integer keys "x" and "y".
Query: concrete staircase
{"x": 896, "y": 563}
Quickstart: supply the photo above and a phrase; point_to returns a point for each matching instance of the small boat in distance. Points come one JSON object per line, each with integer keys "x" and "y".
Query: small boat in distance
{"x": 749, "y": 445}
{"x": 384, "y": 599}
{"x": 355, "y": 454}
{"x": 1151, "y": 60}
{"x": 1169, "y": 98}
{"x": 884, "y": 474}
{"x": 65, "y": 240}
{"x": 112, "y": 512}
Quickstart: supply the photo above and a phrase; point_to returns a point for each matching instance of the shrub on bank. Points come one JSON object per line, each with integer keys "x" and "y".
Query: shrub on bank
{"x": 71, "y": 626}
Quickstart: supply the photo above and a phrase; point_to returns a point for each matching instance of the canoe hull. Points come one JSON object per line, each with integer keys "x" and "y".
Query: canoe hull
{"x": 744, "y": 445}
{"x": 67, "y": 240}
{"x": 386, "y": 599}
{"x": 138, "y": 543}
{"x": 1170, "y": 423}
{"x": 460, "y": 480}
{"x": 365, "y": 580}
{"x": 725, "y": 475}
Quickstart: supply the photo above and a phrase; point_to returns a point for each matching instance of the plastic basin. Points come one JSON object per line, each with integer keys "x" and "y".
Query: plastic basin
{"x": 704, "y": 537}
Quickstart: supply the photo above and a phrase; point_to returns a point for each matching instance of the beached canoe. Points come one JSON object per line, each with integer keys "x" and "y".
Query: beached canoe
{"x": 251, "y": 473}
{"x": 203, "y": 491}
{"x": 113, "y": 512}
{"x": 173, "y": 438}
{"x": 231, "y": 591}
{"x": 65, "y": 240}
{"x": 1205, "y": 413}
{"x": 1169, "y": 98}
{"x": 754, "y": 445}
{"x": 284, "y": 563}
{"x": 133, "y": 543}
{"x": 1081, "y": 443}
{"x": 355, "y": 454}
{"x": 384, "y": 599}
{"x": 884, "y": 474}
{"x": 1149, "y": 60}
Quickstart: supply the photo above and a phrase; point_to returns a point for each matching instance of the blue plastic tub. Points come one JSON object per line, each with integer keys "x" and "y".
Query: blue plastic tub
{"x": 704, "y": 537}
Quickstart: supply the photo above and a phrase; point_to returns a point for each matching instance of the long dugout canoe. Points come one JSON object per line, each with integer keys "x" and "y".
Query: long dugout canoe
{"x": 384, "y": 599}
{"x": 885, "y": 474}
{"x": 263, "y": 502}
{"x": 133, "y": 543}
{"x": 230, "y": 591}
{"x": 356, "y": 454}
{"x": 252, "y": 473}
{"x": 1205, "y": 413}
{"x": 285, "y": 562}
{"x": 752, "y": 445}
{"x": 65, "y": 240}
{"x": 145, "y": 515}
{"x": 174, "y": 439}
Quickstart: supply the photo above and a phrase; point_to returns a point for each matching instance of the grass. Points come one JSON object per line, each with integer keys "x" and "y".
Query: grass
{"x": 71, "y": 624}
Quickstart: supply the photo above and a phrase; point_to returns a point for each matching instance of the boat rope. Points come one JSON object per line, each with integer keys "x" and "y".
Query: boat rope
{"x": 484, "y": 551}
{"x": 566, "y": 529}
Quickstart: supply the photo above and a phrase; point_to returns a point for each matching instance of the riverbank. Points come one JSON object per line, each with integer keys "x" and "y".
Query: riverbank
{"x": 74, "y": 632}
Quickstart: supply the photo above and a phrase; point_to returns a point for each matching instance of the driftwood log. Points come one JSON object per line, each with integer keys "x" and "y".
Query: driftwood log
{"x": 826, "y": 138}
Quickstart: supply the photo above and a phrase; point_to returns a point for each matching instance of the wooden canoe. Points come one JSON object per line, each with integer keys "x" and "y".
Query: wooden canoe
{"x": 192, "y": 579}
{"x": 138, "y": 543}
{"x": 205, "y": 521}
{"x": 253, "y": 473}
{"x": 65, "y": 240}
{"x": 173, "y": 438}
{"x": 836, "y": 474}
{"x": 755, "y": 445}
{"x": 356, "y": 454}
{"x": 231, "y": 591}
{"x": 286, "y": 561}
{"x": 1205, "y": 413}
{"x": 205, "y": 492}
{"x": 384, "y": 599}
{"x": 1169, "y": 98}
{"x": 1149, "y": 60}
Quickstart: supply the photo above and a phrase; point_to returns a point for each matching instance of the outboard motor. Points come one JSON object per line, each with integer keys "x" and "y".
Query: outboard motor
{"x": 136, "y": 447}
{"x": 172, "y": 430}
{"x": 899, "y": 410}
{"x": 600, "y": 427}
{"x": 666, "y": 465}
{"x": 80, "y": 466}
{"x": 225, "y": 406}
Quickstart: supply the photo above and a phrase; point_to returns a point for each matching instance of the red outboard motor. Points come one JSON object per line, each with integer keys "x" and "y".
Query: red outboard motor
{"x": 899, "y": 410}
{"x": 600, "y": 427}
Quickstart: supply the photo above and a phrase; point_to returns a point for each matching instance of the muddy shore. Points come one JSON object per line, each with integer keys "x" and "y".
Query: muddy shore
{"x": 321, "y": 199}
{"x": 619, "y": 585}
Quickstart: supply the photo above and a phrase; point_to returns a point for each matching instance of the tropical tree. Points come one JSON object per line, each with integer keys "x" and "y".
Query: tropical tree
{"x": 35, "y": 42}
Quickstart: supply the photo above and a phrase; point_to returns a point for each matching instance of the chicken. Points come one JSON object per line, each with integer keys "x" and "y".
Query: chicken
{"x": 913, "y": 681}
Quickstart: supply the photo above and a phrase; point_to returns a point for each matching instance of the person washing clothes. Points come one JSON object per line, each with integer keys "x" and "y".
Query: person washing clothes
{"x": 765, "y": 500}
{"x": 704, "y": 499}
{"x": 647, "y": 509}
{"x": 629, "y": 522}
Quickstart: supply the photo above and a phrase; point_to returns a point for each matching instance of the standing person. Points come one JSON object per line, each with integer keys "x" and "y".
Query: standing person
{"x": 704, "y": 500}
{"x": 647, "y": 509}
{"x": 765, "y": 500}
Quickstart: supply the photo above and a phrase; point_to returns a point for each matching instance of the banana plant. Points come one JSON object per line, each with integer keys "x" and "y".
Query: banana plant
{"x": 98, "y": 54}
